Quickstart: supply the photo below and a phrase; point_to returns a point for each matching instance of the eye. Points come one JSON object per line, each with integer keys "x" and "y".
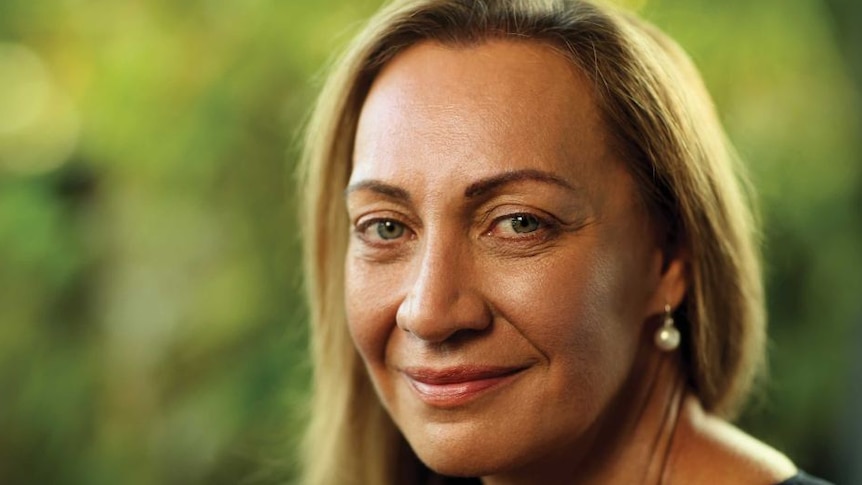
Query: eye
{"x": 388, "y": 229}
{"x": 381, "y": 231}
{"x": 517, "y": 224}
{"x": 523, "y": 226}
{"x": 524, "y": 223}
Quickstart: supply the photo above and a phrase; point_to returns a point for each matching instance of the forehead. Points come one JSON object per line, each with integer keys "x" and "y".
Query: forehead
{"x": 498, "y": 105}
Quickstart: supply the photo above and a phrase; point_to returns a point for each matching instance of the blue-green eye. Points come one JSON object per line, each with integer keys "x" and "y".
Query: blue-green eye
{"x": 389, "y": 229}
{"x": 524, "y": 223}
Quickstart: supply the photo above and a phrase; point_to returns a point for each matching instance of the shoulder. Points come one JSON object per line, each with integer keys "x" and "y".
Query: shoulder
{"x": 707, "y": 449}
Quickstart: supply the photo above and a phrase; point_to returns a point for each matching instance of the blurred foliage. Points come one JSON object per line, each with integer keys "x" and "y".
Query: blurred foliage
{"x": 150, "y": 297}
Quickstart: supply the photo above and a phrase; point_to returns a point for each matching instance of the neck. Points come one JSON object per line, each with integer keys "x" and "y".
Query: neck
{"x": 630, "y": 442}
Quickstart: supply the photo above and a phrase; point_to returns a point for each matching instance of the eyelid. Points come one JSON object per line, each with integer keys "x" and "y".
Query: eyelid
{"x": 504, "y": 211}
{"x": 383, "y": 214}
{"x": 365, "y": 223}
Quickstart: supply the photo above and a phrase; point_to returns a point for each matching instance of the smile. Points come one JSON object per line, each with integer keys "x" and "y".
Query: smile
{"x": 456, "y": 386}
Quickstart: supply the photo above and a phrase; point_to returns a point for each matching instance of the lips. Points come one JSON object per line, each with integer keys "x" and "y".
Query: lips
{"x": 455, "y": 386}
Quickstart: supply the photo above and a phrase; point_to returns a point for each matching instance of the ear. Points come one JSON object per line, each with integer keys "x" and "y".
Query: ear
{"x": 672, "y": 283}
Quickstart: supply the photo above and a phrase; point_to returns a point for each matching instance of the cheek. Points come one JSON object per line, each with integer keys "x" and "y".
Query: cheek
{"x": 564, "y": 300}
{"x": 371, "y": 307}
{"x": 576, "y": 310}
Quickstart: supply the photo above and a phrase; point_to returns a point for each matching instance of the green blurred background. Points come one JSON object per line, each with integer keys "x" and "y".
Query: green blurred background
{"x": 151, "y": 324}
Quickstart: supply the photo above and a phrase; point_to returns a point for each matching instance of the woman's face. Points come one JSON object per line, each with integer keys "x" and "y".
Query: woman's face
{"x": 500, "y": 267}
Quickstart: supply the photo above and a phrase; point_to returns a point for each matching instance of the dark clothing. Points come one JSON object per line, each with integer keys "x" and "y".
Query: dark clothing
{"x": 802, "y": 478}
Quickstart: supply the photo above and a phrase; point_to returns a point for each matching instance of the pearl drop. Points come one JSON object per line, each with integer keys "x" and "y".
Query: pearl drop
{"x": 667, "y": 338}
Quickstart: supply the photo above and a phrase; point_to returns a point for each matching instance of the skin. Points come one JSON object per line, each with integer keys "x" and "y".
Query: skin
{"x": 493, "y": 225}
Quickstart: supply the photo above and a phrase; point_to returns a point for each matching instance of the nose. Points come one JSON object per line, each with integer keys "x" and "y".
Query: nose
{"x": 442, "y": 298}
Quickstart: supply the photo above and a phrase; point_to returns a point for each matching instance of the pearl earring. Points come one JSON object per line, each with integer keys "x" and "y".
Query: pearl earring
{"x": 667, "y": 336}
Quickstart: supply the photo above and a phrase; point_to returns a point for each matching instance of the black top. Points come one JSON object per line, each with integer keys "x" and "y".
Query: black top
{"x": 802, "y": 478}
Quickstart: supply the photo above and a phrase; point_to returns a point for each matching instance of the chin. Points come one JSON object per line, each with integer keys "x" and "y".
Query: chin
{"x": 458, "y": 464}
{"x": 455, "y": 455}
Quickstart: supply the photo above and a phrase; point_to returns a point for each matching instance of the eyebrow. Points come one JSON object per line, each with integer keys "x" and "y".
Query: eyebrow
{"x": 391, "y": 191}
{"x": 481, "y": 187}
{"x": 476, "y": 189}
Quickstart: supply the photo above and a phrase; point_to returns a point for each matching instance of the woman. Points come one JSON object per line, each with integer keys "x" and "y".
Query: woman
{"x": 529, "y": 256}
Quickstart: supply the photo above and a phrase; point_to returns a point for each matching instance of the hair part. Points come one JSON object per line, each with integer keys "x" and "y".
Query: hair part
{"x": 662, "y": 121}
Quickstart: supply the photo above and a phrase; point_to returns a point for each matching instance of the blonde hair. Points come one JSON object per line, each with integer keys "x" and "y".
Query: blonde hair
{"x": 654, "y": 104}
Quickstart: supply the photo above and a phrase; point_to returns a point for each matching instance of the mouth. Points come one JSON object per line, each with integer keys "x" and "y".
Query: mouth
{"x": 456, "y": 386}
